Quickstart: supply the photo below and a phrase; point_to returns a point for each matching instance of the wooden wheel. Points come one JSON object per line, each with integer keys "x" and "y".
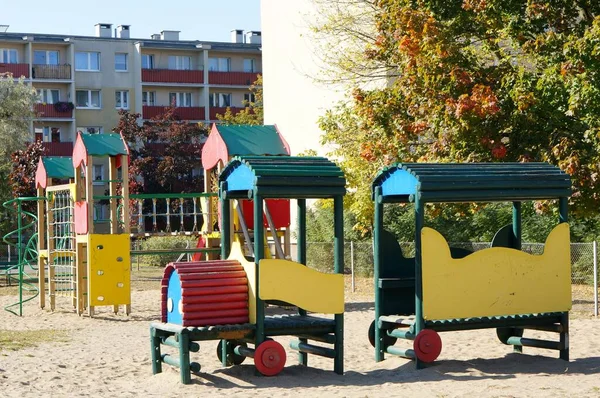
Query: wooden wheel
{"x": 427, "y": 345}
{"x": 269, "y": 358}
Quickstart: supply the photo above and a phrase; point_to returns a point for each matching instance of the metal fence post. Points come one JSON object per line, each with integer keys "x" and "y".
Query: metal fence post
{"x": 352, "y": 263}
{"x": 595, "y": 278}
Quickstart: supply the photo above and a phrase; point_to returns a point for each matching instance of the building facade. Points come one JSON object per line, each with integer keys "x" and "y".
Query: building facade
{"x": 83, "y": 81}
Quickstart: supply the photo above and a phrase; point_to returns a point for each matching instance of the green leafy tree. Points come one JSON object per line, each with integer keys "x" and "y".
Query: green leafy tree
{"x": 252, "y": 113}
{"x": 468, "y": 81}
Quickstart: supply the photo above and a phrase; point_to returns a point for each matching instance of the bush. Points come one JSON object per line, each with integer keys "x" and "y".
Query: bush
{"x": 164, "y": 243}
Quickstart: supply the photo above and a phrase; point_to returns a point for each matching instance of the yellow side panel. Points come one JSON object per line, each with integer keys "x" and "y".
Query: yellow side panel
{"x": 109, "y": 272}
{"x": 237, "y": 253}
{"x": 299, "y": 285}
{"x": 495, "y": 281}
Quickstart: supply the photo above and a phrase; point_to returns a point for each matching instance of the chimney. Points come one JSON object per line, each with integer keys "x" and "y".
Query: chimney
{"x": 237, "y": 36}
{"x": 253, "y": 37}
{"x": 103, "y": 30}
{"x": 171, "y": 35}
{"x": 155, "y": 36}
{"x": 123, "y": 31}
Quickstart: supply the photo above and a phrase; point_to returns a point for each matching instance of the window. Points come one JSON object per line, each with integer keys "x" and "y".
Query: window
{"x": 148, "y": 98}
{"x": 249, "y": 65}
{"x": 121, "y": 62}
{"x": 180, "y": 62}
{"x": 99, "y": 212}
{"x": 42, "y": 134}
{"x": 180, "y": 99}
{"x": 48, "y": 96}
{"x": 41, "y": 57}
{"x": 87, "y": 99}
{"x": 219, "y": 64}
{"x": 249, "y": 98}
{"x": 147, "y": 61}
{"x": 98, "y": 174}
{"x": 87, "y": 61}
{"x": 9, "y": 56}
{"x": 222, "y": 100}
{"x": 89, "y": 130}
{"x": 122, "y": 99}
{"x": 55, "y": 134}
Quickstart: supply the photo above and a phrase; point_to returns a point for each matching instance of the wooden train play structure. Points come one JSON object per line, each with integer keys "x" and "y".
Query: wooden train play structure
{"x": 225, "y": 299}
{"x": 446, "y": 289}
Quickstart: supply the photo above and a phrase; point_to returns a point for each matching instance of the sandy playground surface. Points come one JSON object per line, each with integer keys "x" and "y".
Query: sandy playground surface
{"x": 109, "y": 356}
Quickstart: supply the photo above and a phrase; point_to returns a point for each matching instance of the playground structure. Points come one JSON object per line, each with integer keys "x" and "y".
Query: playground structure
{"x": 447, "y": 289}
{"x": 225, "y": 299}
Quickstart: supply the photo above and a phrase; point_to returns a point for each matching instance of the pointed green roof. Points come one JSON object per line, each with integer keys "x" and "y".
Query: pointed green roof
{"x": 98, "y": 145}
{"x": 53, "y": 167}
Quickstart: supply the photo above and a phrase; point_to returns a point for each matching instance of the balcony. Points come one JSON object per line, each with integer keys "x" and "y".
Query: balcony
{"x": 184, "y": 113}
{"x": 58, "y": 148}
{"x": 232, "y": 78}
{"x": 17, "y": 70}
{"x": 45, "y": 111}
{"x": 221, "y": 111}
{"x": 58, "y": 72}
{"x": 172, "y": 76}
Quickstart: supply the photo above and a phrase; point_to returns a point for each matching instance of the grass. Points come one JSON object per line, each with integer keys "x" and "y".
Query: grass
{"x": 14, "y": 340}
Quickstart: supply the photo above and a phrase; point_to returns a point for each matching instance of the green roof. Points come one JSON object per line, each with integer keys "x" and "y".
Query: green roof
{"x": 58, "y": 167}
{"x": 282, "y": 177}
{"x": 252, "y": 140}
{"x": 104, "y": 144}
{"x": 470, "y": 182}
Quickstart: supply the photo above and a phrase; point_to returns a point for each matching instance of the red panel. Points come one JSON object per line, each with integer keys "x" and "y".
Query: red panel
{"x": 232, "y": 78}
{"x": 172, "y": 76}
{"x": 48, "y": 111}
{"x": 58, "y": 148}
{"x": 279, "y": 209}
{"x": 184, "y": 113}
{"x": 17, "y": 70}
{"x": 81, "y": 217}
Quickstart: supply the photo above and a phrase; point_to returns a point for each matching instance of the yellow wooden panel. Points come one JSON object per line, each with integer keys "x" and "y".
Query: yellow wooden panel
{"x": 237, "y": 253}
{"x": 109, "y": 272}
{"x": 495, "y": 281}
{"x": 299, "y": 285}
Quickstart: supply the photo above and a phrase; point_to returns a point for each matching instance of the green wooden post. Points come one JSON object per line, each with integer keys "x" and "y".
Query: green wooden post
{"x": 259, "y": 253}
{"x": 419, "y": 222}
{"x": 155, "y": 351}
{"x": 338, "y": 225}
{"x": 225, "y": 227}
{"x": 301, "y": 203}
{"x": 20, "y": 255}
{"x": 517, "y": 234}
{"x": 184, "y": 357}
{"x": 563, "y": 204}
{"x": 377, "y": 228}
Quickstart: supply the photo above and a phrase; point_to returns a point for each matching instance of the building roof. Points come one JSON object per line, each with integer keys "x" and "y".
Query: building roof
{"x": 98, "y": 145}
{"x": 226, "y": 141}
{"x": 471, "y": 182}
{"x": 53, "y": 167}
{"x": 281, "y": 177}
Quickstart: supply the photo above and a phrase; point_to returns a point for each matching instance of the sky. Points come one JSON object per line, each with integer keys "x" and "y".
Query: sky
{"x": 205, "y": 20}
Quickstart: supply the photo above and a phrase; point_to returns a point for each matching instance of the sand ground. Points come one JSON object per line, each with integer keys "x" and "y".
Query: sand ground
{"x": 109, "y": 356}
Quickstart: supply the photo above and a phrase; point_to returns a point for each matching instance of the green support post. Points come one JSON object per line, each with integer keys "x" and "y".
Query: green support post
{"x": 20, "y": 255}
{"x": 419, "y": 223}
{"x": 377, "y": 228}
{"x": 301, "y": 245}
{"x": 338, "y": 208}
{"x": 517, "y": 233}
{"x": 155, "y": 351}
{"x": 225, "y": 227}
{"x": 563, "y": 204}
{"x": 259, "y": 253}
{"x": 184, "y": 357}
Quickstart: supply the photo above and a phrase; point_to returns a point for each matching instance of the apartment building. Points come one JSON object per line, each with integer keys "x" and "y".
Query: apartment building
{"x": 83, "y": 81}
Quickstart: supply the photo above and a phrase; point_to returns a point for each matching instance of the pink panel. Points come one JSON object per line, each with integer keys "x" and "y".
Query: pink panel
{"x": 41, "y": 180}
{"x": 81, "y": 217}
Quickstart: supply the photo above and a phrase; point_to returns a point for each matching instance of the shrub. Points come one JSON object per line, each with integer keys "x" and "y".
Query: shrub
{"x": 164, "y": 243}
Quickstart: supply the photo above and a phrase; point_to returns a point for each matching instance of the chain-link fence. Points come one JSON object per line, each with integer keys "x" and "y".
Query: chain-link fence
{"x": 358, "y": 261}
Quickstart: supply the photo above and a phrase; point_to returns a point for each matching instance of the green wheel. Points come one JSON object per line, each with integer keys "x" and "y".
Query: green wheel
{"x": 232, "y": 357}
{"x": 387, "y": 340}
{"x": 505, "y": 333}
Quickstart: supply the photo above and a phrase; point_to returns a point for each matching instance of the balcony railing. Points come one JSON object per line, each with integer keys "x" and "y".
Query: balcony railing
{"x": 184, "y": 113}
{"x": 172, "y": 76}
{"x": 51, "y": 71}
{"x": 232, "y": 78}
{"x": 49, "y": 111}
{"x": 221, "y": 111}
{"x": 17, "y": 70}
{"x": 58, "y": 148}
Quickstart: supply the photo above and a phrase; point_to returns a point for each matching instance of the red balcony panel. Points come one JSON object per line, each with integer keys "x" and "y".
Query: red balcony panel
{"x": 184, "y": 113}
{"x": 232, "y": 78}
{"x": 172, "y": 76}
{"x": 17, "y": 70}
{"x": 48, "y": 110}
{"x": 58, "y": 148}
{"x": 221, "y": 111}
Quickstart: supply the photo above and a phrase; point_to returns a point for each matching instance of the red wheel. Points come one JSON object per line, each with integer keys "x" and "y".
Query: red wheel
{"x": 269, "y": 358}
{"x": 427, "y": 345}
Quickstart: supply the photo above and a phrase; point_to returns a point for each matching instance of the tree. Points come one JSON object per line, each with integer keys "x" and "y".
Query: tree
{"x": 22, "y": 175}
{"x": 471, "y": 81}
{"x": 252, "y": 113}
{"x": 164, "y": 152}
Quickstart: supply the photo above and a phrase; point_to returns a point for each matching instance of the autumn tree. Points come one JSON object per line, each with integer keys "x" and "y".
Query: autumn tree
{"x": 164, "y": 152}
{"x": 253, "y": 110}
{"x": 23, "y": 169}
{"x": 468, "y": 81}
